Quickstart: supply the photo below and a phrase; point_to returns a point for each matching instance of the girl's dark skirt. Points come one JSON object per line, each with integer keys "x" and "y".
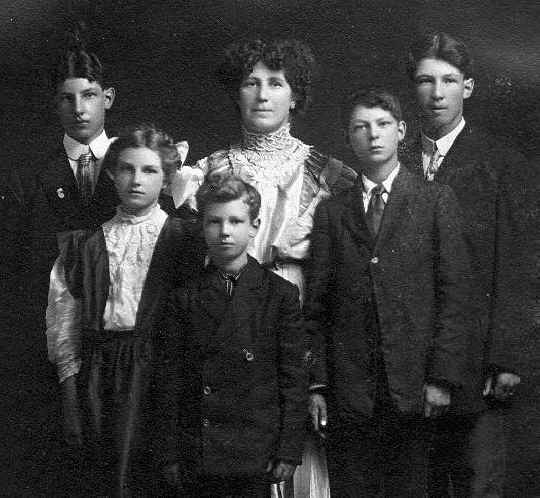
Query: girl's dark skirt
{"x": 114, "y": 390}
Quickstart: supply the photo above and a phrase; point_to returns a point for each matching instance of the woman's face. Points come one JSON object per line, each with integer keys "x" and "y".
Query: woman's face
{"x": 265, "y": 100}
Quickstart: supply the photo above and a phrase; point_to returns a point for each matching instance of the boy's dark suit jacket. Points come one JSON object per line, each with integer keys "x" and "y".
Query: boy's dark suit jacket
{"x": 416, "y": 274}
{"x": 491, "y": 183}
{"x": 235, "y": 387}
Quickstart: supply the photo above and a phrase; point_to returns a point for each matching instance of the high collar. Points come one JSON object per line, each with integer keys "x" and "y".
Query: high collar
{"x": 268, "y": 142}
{"x": 443, "y": 143}
{"x": 98, "y": 146}
{"x": 368, "y": 185}
{"x": 155, "y": 214}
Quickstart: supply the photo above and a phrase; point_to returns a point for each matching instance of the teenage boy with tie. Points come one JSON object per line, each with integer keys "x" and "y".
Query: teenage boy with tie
{"x": 468, "y": 449}
{"x": 386, "y": 305}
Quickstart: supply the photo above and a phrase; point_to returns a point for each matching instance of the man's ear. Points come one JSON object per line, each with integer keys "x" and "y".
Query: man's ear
{"x": 346, "y": 138}
{"x": 255, "y": 224}
{"x": 109, "y": 94}
{"x": 468, "y": 86}
{"x": 402, "y": 130}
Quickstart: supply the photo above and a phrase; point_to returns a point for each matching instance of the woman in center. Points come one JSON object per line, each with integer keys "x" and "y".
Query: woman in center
{"x": 271, "y": 82}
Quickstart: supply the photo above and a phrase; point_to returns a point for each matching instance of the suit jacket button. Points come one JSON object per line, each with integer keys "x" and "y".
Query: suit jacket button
{"x": 375, "y": 260}
{"x": 249, "y": 356}
{"x": 207, "y": 390}
{"x": 206, "y": 422}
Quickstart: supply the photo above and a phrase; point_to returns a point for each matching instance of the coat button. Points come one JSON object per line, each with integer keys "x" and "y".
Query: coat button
{"x": 375, "y": 260}
{"x": 250, "y": 356}
{"x": 207, "y": 390}
{"x": 206, "y": 422}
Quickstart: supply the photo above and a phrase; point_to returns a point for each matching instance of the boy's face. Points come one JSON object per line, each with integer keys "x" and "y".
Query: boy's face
{"x": 138, "y": 178}
{"x": 374, "y": 135}
{"x": 228, "y": 230}
{"x": 81, "y": 105}
{"x": 440, "y": 91}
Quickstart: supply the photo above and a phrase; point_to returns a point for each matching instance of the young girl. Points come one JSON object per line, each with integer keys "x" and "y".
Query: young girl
{"x": 105, "y": 299}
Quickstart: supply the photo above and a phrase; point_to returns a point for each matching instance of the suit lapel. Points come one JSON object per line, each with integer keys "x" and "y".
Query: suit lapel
{"x": 155, "y": 285}
{"x": 354, "y": 218}
{"x": 396, "y": 208}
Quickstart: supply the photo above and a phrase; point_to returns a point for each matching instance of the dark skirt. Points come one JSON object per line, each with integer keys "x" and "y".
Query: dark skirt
{"x": 114, "y": 391}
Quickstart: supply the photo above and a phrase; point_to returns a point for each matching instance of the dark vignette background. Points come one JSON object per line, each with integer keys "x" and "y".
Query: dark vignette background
{"x": 160, "y": 56}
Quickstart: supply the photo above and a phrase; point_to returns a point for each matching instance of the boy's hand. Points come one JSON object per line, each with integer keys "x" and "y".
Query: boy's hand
{"x": 72, "y": 421}
{"x": 502, "y": 385}
{"x": 282, "y": 471}
{"x": 318, "y": 412}
{"x": 171, "y": 473}
{"x": 436, "y": 400}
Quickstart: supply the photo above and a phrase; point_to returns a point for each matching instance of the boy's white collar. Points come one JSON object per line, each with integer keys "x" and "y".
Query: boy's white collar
{"x": 98, "y": 146}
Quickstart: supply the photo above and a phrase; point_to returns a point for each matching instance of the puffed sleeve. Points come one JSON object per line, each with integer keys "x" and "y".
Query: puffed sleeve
{"x": 63, "y": 318}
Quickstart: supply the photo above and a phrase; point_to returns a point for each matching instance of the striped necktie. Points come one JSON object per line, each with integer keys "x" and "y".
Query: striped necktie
{"x": 375, "y": 209}
{"x": 84, "y": 176}
{"x": 433, "y": 165}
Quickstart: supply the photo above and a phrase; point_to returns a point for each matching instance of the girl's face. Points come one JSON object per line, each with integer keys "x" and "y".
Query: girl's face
{"x": 265, "y": 100}
{"x": 139, "y": 178}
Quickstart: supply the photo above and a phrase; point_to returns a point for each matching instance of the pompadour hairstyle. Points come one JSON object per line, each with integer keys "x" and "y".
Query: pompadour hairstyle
{"x": 292, "y": 56}
{"x": 145, "y": 135}
{"x": 440, "y": 46}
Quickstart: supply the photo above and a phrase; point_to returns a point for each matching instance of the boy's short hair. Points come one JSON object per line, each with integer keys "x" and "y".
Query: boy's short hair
{"x": 370, "y": 98}
{"x": 440, "y": 46}
{"x": 145, "y": 135}
{"x": 292, "y": 56}
{"x": 221, "y": 188}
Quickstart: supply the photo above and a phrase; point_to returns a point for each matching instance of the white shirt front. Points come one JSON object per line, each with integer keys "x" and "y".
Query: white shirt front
{"x": 369, "y": 186}
{"x": 99, "y": 147}
{"x": 443, "y": 145}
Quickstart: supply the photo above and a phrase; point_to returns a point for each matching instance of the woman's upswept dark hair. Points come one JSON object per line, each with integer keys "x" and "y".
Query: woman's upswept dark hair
{"x": 370, "y": 98}
{"x": 440, "y": 46}
{"x": 145, "y": 135}
{"x": 220, "y": 188}
{"x": 292, "y": 56}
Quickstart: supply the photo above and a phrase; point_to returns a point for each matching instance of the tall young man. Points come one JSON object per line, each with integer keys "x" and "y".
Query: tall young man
{"x": 469, "y": 448}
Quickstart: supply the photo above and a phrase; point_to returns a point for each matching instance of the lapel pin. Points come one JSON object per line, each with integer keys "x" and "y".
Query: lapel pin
{"x": 60, "y": 193}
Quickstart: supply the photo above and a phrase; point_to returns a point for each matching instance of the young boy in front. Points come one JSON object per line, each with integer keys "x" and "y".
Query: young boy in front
{"x": 235, "y": 384}
{"x": 387, "y": 297}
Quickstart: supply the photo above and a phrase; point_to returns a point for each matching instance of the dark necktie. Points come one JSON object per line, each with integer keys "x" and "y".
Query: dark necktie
{"x": 375, "y": 209}
{"x": 84, "y": 176}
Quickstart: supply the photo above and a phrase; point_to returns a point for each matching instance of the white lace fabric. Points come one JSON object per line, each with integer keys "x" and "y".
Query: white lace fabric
{"x": 130, "y": 243}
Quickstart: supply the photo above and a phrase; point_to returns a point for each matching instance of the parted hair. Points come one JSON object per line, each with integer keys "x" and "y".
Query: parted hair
{"x": 292, "y": 56}
{"x": 440, "y": 46}
{"x": 370, "y": 98}
{"x": 145, "y": 135}
{"x": 221, "y": 188}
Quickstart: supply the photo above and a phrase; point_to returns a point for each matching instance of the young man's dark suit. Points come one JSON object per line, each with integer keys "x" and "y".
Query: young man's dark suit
{"x": 388, "y": 315}
{"x": 240, "y": 388}
{"x": 477, "y": 169}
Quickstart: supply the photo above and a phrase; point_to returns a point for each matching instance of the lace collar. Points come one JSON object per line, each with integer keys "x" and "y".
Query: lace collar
{"x": 268, "y": 142}
{"x": 122, "y": 217}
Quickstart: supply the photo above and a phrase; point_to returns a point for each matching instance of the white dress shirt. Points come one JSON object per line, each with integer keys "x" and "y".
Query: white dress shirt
{"x": 99, "y": 147}
{"x": 369, "y": 186}
{"x": 443, "y": 145}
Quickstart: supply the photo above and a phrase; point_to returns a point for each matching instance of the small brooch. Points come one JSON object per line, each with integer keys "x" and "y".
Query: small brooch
{"x": 60, "y": 193}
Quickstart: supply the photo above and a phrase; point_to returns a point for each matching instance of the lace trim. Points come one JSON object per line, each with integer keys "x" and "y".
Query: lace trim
{"x": 269, "y": 142}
